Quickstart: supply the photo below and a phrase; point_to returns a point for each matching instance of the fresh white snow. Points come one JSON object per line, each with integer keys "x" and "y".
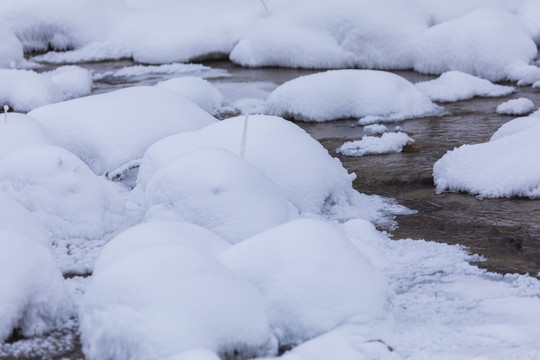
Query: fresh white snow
{"x": 389, "y": 142}
{"x": 521, "y": 106}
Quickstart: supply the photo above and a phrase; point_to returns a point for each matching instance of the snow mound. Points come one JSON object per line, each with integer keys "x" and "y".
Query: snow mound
{"x": 197, "y": 90}
{"x": 34, "y": 296}
{"x": 312, "y": 279}
{"x": 19, "y": 131}
{"x": 15, "y": 217}
{"x": 375, "y": 129}
{"x": 368, "y": 145}
{"x": 506, "y": 166}
{"x": 521, "y": 106}
{"x": 67, "y": 198}
{"x": 25, "y": 90}
{"x": 160, "y": 301}
{"x": 159, "y": 233}
{"x": 11, "y": 50}
{"x": 340, "y": 94}
{"x": 517, "y": 125}
{"x": 108, "y": 130}
{"x": 456, "y": 85}
{"x": 217, "y": 190}
{"x": 490, "y": 43}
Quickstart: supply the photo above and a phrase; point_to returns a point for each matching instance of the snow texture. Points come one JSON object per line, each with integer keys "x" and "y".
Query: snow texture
{"x": 312, "y": 279}
{"x": 108, "y": 130}
{"x": 197, "y": 90}
{"x": 34, "y": 296}
{"x": 220, "y": 191}
{"x": 375, "y": 129}
{"x": 342, "y": 94}
{"x": 455, "y": 85}
{"x": 368, "y": 145}
{"x": 24, "y": 90}
{"x": 506, "y": 166}
{"x": 521, "y": 106}
{"x": 160, "y": 301}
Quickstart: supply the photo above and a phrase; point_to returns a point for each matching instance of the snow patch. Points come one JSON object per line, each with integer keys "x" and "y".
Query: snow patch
{"x": 368, "y": 145}
{"x": 521, "y": 106}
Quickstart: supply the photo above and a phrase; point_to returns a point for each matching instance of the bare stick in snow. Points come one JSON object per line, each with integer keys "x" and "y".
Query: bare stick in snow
{"x": 244, "y": 136}
{"x": 6, "y": 108}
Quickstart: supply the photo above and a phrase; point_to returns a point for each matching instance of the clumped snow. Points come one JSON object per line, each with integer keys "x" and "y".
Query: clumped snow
{"x": 18, "y": 131}
{"x": 521, "y": 106}
{"x": 388, "y": 143}
{"x": 456, "y": 85}
{"x": 375, "y": 129}
{"x": 341, "y": 94}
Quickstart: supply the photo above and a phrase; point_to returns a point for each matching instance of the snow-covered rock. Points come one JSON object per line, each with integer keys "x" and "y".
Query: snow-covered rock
{"x": 34, "y": 296}
{"x": 159, "y": 233}
{"x": 312, "y": 279}
{"x": 18, "y": 131}
{"x": 217, "y": 190}
{"x": 388, "y": 143}
{"x": 198, "y": 90}
{"x": 375, "y": 129}
{"x": 25, "y": 90}
{"x": 67, "y": 198}
{"x": 521, "y": 106}
{"x": 160, "y": 301}
{"x": 109, "y": 130}
{"x": 506, "y": 166}
{"x": 456, "y": 85}
{"x": 340, "y": 94}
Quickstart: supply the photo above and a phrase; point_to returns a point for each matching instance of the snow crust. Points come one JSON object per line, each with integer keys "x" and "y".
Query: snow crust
{"x": 388, "y": 143}
{"x": 34, "y": 296}
{"x": 521, "y": 106}
{"x": 340, "y": 94}
{"x": 197, "y": 90}
{"x": 108, "y": 130}
{"x": 456, "y": 85}
{"x": 506, "y": 166}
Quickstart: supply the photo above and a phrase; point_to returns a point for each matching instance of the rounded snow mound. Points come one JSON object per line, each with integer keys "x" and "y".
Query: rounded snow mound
{"x": 158, "y": 233}
{"x": 34, "y": 297}
{"x": 217, "y": 190}
{"x": 342, "y": 94}
{"x": 389, "y": 142}
{"x": 164, "y": 300}
{"x": 312, "y": 278}
{"x": 109, "y": 130}
{"x": 521, "y": 106}
{"x": 67, "y": 198}
{"x": 198, "y": 90}
{"x": 299, "y": 165}
{"x": 11, "y": 50}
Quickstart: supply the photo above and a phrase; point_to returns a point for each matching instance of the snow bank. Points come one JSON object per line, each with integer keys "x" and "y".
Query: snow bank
{"x": 198, "y": 90}
{"x": 312, "y": 279}
{"x": 25, "y": 90}
{"x": 343, "y": 94}
{"x": 490, "y": 43}
{"x": 217, "y": 190}
{"x": 61, "y": 191}
{"x": 456, "y": 85}
{"x": 161, "y": 301}
{"x": 11, "y": 50}
{"x": 108, "y": 130}
{"x": 159, "y": 233}
{"x": 506, "y": 166}
{"x": 368, "y": 145}
{"x": 34, "y": 296}
{"x": 521, "y": 106}
{"x": 20, "y": 131}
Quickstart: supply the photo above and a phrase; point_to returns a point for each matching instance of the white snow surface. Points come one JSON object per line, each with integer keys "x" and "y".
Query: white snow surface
{"x": 521, "y": 106}
{"x": 389, "y": 142}
{"x": 312, "y": 279}
{"x": 109, "y": 130}
{"x": 34, "y": 296}
{"x": 341, "y": 94}
{"x": 375, "y": 129}
{"x": 162, "y": 300}
{"x": 506, "y": 166}
{"x": 220, "y": 191}
{"x": 197, "y": 90}
{"x": 456, "y": 85}
{"x": 24, "y": 90}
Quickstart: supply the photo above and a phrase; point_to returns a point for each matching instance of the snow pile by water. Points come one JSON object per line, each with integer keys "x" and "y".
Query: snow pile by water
{"x": 455, "y": 85}
{"x": 197, "y": 90}
{"x": 34, "y": 296}
{"x": 11, "y": 50}
{"x": 375, "y": 129}
{"x": 521, "y": 106}
{"x": 109, "y": 130}
{"x": 25, "y": 90}
{"x": 341, "y": 94}
{"x": 505, "y": 166}
{"x": 368, "y": 145}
